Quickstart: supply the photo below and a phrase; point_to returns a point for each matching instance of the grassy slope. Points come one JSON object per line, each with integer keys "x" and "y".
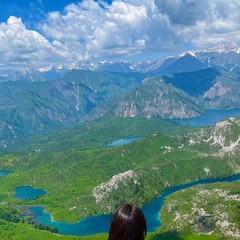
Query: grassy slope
{"x": 23, "y": 231}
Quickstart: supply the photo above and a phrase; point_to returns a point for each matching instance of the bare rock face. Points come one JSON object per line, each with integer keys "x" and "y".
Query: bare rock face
{"x": 217, "y": 91}
{"x": 155, "y": 98}
{"x": 224, "y": 94}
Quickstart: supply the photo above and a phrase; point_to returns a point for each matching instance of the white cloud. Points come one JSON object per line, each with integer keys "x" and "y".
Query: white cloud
{"x": 203, "y": 22}
{"x": 88, "y": 30}
{"x": 19, "y": 46}
{"x": 102, "y": 31}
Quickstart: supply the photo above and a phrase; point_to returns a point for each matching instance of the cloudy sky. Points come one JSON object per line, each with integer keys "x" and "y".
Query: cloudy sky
{"x": 38, "y": 33}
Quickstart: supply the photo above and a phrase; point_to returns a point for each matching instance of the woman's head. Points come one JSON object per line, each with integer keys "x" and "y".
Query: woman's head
{"x": 128, "y": 223}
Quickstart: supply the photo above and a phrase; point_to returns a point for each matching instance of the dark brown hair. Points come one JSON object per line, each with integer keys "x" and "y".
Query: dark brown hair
{"x": 128, "y": 223}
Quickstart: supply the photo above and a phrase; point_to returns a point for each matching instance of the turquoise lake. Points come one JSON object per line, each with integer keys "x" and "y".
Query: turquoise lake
{"x": 123, "y": 141}
{"x": 27, "y": 192}
{"x": 209, "y": 118}
{"x": 24, "y": 192}
{"x": 4, "y": 172}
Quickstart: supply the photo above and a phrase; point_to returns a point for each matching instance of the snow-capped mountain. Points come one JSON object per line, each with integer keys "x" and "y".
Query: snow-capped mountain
{"x": 224, "y": 56}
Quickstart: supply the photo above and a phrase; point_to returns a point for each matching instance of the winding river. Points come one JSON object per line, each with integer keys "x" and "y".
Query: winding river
{"x": 100, "y": 223}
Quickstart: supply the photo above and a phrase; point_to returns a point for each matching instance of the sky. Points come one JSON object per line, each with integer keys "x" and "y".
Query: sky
{"x": 40, "y": 33}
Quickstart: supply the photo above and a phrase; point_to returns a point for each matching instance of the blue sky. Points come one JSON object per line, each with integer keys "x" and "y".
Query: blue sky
{"x": 39, "y": 33}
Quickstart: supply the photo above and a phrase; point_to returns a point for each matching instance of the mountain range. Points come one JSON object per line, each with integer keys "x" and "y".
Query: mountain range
{"x": 223, "y": 56}
{"x": 177, "y": 95}
{"x": 38, "y": 107}
{"x": 34, "y": 102}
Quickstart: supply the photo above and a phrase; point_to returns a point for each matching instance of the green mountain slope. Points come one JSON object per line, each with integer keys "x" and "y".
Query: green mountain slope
{"x": 96, "y": 180}
{"x": 34, "y": 108}
{"x": 207, "y": 209}
{"x": 89, "y": 134}
{"x": 41, "y": 107}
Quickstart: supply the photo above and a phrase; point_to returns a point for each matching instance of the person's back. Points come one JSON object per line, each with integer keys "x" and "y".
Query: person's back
{"x": 128, "y": 223}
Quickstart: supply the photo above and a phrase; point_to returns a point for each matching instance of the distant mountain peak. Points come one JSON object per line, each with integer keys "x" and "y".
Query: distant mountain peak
{"x": 220, "y": 48}
{"x": 45, "y": 69}
{"x": 226, "y": 56}
{"x": 188, "y": 53}
{"x": 223, "y": 48}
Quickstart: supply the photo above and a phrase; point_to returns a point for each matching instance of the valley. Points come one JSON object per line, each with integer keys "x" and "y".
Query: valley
{"x": 135, "y": 168}
{"x": 56, "y": 135}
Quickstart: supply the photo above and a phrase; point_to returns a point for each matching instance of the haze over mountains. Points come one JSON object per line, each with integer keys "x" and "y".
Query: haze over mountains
{"x": 39, "y": 101}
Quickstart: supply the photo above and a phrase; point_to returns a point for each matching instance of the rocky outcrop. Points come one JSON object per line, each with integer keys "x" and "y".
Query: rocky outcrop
{"x": 222, "y": 138}
{"x": 101, "y": 192}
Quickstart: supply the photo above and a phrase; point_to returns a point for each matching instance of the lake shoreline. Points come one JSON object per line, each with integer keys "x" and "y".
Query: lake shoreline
{"x": 159, "y": 201}
{"x": 210, "y": 117}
